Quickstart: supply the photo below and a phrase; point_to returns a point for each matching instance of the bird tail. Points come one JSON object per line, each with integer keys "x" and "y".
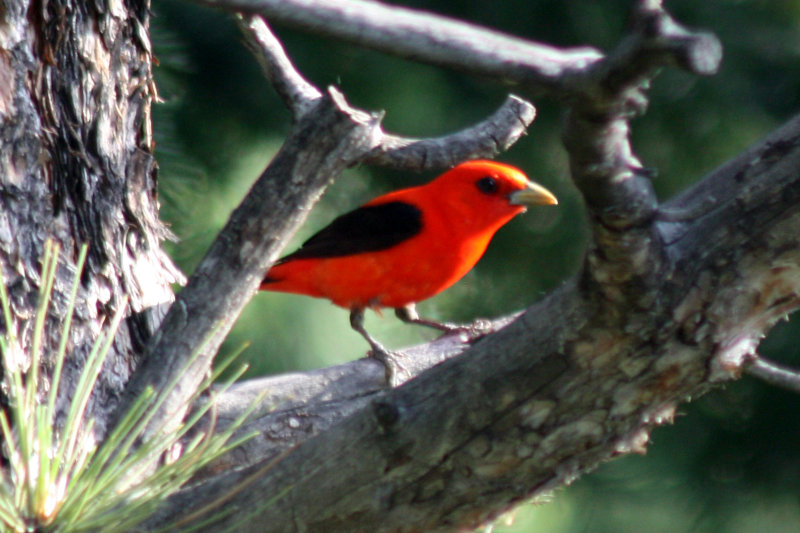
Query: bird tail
{"x": 291, "y": 276}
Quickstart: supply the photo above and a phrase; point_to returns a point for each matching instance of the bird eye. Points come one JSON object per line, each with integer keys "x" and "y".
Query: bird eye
{"x": 487, "y": 185}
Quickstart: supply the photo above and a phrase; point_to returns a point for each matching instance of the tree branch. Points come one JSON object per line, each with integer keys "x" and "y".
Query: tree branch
{"x": 300, "y": 96}
{"x": 773, "y": 373}
{"x": 486, "y": 139}
{"x": 426, "y": 38}
{"x": 562, "y": 73}
{"x": 299, "y": 405}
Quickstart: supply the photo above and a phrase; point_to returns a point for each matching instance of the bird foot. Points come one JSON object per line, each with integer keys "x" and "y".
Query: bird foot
{"x": 470, "y": 332}
{"x": 396, "y": 371}
{"x": 467, "y": 332}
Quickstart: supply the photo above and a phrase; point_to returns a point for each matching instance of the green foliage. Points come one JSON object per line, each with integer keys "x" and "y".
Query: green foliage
{"x": 735, "y": 445}
{"x": 61, "y": 479}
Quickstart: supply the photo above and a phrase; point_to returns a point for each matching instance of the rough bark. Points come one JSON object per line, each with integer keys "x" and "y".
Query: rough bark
{"x": 77, "y": 167}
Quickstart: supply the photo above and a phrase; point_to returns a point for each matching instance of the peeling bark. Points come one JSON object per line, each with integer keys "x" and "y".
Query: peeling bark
{"x": 76, "y": 154}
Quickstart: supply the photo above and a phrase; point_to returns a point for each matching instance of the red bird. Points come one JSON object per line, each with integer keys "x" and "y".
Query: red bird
{"x": 407, "y": 245}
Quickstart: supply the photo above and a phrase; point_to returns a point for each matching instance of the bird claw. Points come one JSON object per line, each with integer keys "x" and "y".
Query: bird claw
{"x": 472, "y": 331}
{"x": 481, "y": 327}
{"x": 467, "y": 332}
{"x": 392, "y": 364}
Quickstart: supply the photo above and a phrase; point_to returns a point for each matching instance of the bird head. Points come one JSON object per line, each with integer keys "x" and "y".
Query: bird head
{"x": 486, "y": 194}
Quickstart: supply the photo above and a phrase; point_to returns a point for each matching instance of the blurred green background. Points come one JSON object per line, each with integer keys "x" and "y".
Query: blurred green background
{"x": 731, "y": 462}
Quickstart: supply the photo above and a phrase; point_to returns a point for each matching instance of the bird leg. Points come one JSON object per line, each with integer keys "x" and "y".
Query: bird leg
{"x": 390, "y": 359}
{"x": 408, "y": 314}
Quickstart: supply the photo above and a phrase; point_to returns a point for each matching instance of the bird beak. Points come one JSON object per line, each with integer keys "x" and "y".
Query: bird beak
{"x": 533, "y": 194}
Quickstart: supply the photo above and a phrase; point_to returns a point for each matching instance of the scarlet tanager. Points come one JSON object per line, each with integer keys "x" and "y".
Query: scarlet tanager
{"x": 407, "y": 245}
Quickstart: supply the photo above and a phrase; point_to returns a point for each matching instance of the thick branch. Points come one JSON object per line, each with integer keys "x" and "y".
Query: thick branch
{"x": 292, "y": 407}
{"x": 626, "y": 253}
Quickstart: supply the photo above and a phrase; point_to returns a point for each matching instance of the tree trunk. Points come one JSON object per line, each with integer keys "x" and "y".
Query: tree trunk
{"x": 76, "y": 154}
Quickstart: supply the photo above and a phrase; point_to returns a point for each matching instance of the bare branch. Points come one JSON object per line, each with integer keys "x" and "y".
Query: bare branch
{"x": 486, "y": 139}
{"x": 626, "y": 252}
{"x": 426, "y": 38}
{"x": 563, "y": 73}
{"x": 300, "y": 95}
{"x": 773, "y": 373}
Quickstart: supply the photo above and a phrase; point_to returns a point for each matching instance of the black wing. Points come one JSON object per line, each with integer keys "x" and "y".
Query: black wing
{"x": 367, "y": 229}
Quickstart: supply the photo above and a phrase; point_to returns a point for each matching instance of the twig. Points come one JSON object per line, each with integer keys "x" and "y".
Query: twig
{"x": 300, "y": 95}
{"x": 773, "y": 373}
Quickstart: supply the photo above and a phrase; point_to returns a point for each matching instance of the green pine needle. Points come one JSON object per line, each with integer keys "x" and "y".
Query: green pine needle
{"x": 59, "y": 479}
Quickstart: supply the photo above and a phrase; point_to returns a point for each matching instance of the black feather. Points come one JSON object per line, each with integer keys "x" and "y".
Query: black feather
{"x": 366, "y": 229}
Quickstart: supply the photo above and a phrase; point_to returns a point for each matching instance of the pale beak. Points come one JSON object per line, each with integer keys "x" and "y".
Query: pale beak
{"x": 533, "y": 194}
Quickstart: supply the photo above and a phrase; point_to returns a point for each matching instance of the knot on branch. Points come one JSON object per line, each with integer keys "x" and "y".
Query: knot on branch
{"x": 387, "y": 415}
